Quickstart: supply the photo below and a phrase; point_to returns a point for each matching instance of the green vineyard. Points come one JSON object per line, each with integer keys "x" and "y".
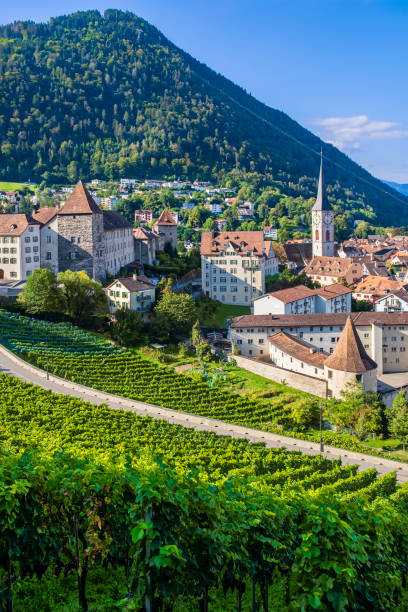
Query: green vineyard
{"x": 106, "y": 367}
{"x": 213, "y": 523}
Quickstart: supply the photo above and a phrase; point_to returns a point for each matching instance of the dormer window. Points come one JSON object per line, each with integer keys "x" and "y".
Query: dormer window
{"x": 13, "y": 227}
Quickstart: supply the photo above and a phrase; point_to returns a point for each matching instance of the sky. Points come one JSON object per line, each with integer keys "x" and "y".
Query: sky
{"x": 338, "y": 67}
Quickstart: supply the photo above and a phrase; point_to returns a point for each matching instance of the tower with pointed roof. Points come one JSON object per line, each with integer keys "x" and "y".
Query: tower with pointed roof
{"x": 322, "y": 221}
{"x": 167, "y": 228}
{"x": 349, "y": 363}
{"x": 81, "y": 236}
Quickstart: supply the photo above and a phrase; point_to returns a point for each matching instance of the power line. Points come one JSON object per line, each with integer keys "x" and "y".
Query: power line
{"x": 299, "y": 142}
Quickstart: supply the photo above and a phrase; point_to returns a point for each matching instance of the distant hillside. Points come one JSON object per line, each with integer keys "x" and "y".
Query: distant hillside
{"x": 401, "y": 187}
{"x": 87, "y": 95}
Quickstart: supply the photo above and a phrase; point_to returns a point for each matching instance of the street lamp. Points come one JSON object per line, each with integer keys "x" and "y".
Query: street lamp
{"x": 46, "y": 352}
{"x": 321, "y": 432}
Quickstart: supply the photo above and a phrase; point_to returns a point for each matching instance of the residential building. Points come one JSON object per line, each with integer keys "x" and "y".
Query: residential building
{"x": 297, "y": 254}
{"x": 234, "y": 265}
{"x": 221, "y": 224}
{"x": 329, "y": 270}
{"x": 214, "y": 207}
{"x": 302, "y": 300}
{"x": 143, "y": 216}
{"x": 270, "y": 232}
{"x": 134, "y": 293}
{"x": 397, "y": 301}
{"x": 47, "y": 217}
{"x": 167, "y": 226}
{"x": 147, "y": 243}
{"x": 384, "y": 335}
{"x": 371, "y": 288}
{"x": 322, "y": 222}
{"x": 19, "y": 246}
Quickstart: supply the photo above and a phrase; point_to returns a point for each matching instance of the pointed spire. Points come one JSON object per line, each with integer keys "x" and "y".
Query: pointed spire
{"x": 349, "y": 354}
{"x": 322, "y": 203}
{"x": 166, "y": 218}
{"x": 80, "y": 202}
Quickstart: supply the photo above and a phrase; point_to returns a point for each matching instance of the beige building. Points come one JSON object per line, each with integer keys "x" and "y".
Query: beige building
{"x": 384, "y": 335}
{"x": 19, "y": 246}
{"x": 329, "y": 270}
{"x": 234, "y": 265}
{"x": 134, "y": 293}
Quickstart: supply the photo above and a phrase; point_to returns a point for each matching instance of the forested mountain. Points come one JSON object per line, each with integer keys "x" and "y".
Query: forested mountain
{"x": 90, "y": 95}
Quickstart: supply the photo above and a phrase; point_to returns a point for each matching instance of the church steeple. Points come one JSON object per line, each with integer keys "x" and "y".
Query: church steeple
{"x": 322, "y": 203}
{"x": 322, "y": 221}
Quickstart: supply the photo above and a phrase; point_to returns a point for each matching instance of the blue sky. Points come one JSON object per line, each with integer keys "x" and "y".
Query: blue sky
{"x": 339, "y": 67}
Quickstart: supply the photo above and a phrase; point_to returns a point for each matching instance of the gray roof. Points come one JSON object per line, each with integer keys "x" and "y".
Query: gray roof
{"x": 322, "y": 203}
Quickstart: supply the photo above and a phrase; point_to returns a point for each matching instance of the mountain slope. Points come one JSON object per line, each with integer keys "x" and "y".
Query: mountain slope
{"x": 401, "y": 187}
{"x": 90, "y": 95}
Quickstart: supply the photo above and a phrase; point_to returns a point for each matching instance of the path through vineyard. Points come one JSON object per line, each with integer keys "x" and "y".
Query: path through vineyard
{"x": 10, "y": 364}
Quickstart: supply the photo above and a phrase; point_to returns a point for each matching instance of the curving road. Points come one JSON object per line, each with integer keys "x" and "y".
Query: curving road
{"x": 12, "y": 365}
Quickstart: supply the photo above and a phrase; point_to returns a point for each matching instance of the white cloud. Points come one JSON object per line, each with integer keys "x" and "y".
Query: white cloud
{"x": 347, "y": 132}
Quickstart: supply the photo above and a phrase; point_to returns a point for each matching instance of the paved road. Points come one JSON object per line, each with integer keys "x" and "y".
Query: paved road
{"x": 10, "y": 364}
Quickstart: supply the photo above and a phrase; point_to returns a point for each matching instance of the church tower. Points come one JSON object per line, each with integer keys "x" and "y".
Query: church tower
{"x": 322, "y": 222}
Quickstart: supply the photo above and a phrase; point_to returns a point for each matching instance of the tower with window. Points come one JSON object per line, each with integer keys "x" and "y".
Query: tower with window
{"x": 322, "y": 222}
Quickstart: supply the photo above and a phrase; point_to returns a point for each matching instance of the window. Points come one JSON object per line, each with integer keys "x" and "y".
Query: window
{"x": 35, "y": 238}
{"x": 261, "y": 352}
{"x": 35, "y": 249}
{"x": 13, "y": 260}
{"x": 310, "y": 339}
{"x": 36, "y": 258}
{"x": 13, "y": 251}
{"x": 27, "y": 239}
{"x": 29, "y": 272}
{"x": 30, "y": 229}
{"x": 261, "y": 340}
{"x": 393, "y": 349}
{"x": 332, "y": 339}
{"x": 233, "y": 280}
{"x": 48, "y": 239}
{"x": 5, "y": 260}
{"x": 234, "y": 289}
{"x": 331, "y": 349}
{"x": 358, "y": 377}
{"x": 28, "y": 260}
{"x": 215, "y": 288}
{"x": 125, "y": 294}
{"x": 366, "y": 335}
{"x": 13, "y": 274}
{"x": 321, "y": 339}
{"x": 223, "y": 289}
{"x": 48, "y": 256}
{"x": 73, "y": 239}
{"x": 250, "y": 352}
{"x": 79, "y": 239}
{"x": 223, "y": 279}
{"x": 397, "y": 360}
{"x": 311, "y": 329}
{"x": 28, "y": 249}
{"x": 317, "y": 234}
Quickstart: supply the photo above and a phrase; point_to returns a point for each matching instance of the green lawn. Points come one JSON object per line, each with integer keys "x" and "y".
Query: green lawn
{"x": 10, "y": 186}
{"x": 227, "y": 311}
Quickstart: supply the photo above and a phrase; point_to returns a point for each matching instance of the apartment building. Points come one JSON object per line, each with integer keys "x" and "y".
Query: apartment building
{"x": 302, "y": 300}
{"x": 372, "y": 288}
{"x": 234, "y": 265}
{"x": 397, "y": 301}
{"x": 19, "y": 246}
{"x": 384, "y": 335}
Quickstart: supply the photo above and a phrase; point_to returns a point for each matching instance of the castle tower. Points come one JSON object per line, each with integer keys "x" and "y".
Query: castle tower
{"x": 167, "y": 227}
{"x": 349, "y": 364}
{"x": 322, "y": 222}
{"x": 81, "y": 237}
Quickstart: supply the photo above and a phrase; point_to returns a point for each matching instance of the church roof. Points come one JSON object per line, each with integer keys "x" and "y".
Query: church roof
{"x": 322, "y": 203}
{"x": 165, "y": 218}
{"x": 349, "y": 354}
{"x": 80, "y": 202}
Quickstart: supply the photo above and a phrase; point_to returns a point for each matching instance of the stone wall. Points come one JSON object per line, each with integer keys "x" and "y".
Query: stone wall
{"x": 89, "y": 251}
{"x": 316, "y": 386}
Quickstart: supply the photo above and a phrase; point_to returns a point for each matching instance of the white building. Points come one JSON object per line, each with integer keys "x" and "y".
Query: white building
{"x": 234, "y": 265}
{"x": 384, "y": 336}
{"x": 397, "y": 301}
{"x": 302, "y": 300}
{"x": 214, "y": 207}
{"x": 134, "y": 293}
{"x": 322, "y": 222}
{"x": 19, "y": 246}
{"x": 270, "y": 232}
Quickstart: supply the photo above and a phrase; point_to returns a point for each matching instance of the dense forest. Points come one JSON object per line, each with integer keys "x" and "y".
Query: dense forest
{"x": 90, "y": 95}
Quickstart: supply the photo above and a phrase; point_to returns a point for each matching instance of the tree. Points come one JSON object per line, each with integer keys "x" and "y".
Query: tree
{"x": 196, "y": 336}
{"x": 359, "y": 411}
{"x": 398, "y": 424}
{"x": 305, "y": 412}
{"x": 84, "y": 297}
{"x": 177, "y": 313}
{"x": 203, "y": 351}
{"x": 127, "y": 329}
{"x": 41, "y": 293}
{"x": 209, "y": 225}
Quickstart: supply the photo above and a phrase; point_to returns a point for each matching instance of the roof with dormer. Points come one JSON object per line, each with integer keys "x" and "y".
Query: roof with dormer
{"x": 214, "y": 243}
{"x": 80, "y": 202}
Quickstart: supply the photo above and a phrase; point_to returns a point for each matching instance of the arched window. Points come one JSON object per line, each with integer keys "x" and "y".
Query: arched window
{"x": 317, "y": 234}
{"x": 327, "y": 235}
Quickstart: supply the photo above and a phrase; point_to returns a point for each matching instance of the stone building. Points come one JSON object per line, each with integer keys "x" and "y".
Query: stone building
{"x": 167, "y": 227}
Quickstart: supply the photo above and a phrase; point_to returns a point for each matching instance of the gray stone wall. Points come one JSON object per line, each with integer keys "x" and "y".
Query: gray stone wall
{"x": 81, "y": 244}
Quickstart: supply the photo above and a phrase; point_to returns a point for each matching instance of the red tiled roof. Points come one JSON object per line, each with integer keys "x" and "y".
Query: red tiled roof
{"x": 213, "y": 243}
{"x": 15, "y": 225}
{"x": 141, "y": 283}
{"x": 43, "y": 215}
{"x": 316, "y": 319}
{"x": 298, "y": 349}
{"x": 165, "y": 218}
{"x": 331, "y": 291}
{"x": 377, "y": 285}
{"x": 292, "y": 294}
{"x": 80, "y": 202}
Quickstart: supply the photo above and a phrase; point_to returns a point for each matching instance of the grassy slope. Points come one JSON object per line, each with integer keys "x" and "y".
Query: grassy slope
{"x": 10, "y": 186}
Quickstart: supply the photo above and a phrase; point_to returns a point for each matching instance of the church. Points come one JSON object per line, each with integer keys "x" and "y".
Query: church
{"x": 322, "y": 222}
